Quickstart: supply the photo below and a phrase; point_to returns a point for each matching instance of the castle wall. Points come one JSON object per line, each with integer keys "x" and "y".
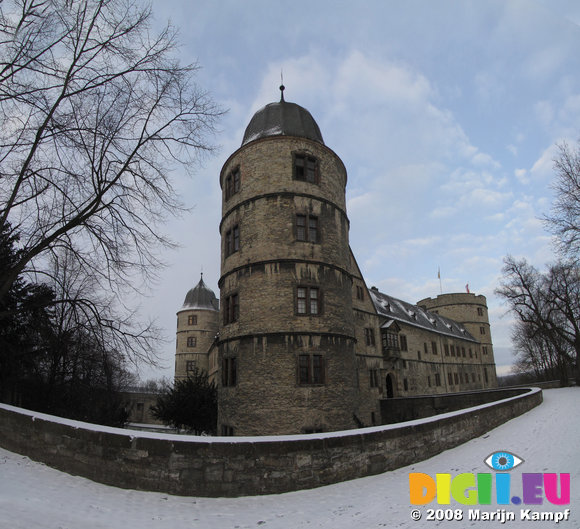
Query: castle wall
{"x": 213, "y": 466}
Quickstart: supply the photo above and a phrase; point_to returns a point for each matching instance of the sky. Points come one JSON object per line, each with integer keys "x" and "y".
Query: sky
{"x": 446, "y": 115}
{"x": 34, "y": 496}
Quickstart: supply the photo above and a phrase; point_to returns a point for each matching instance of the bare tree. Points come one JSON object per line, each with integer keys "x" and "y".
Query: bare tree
{"x": 547, "y": 306}
{"x": 564, "y": 222}
{"x": 95, "y": 113}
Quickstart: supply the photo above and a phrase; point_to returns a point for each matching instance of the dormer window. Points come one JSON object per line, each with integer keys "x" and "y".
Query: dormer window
{"x": 306, "y": 168}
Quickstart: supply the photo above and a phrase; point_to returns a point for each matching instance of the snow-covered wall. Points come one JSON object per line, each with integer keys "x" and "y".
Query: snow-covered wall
{"x": 238, "y": 466}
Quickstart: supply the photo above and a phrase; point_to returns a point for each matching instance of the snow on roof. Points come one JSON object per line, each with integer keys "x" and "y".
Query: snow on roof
{"x": 396, "y": 309}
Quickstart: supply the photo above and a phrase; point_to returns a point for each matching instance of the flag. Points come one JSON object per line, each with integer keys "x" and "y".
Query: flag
{"x": 438, "y": 273}
{"x": 467, "y": 288}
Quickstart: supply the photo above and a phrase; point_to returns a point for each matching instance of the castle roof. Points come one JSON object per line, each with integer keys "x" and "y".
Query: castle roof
{"x": 282, "y": 119}
{"x": 200, "y": 297}
{"x": 394, "y": 309}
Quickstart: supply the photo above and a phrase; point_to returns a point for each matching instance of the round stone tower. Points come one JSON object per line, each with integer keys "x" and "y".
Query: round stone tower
{"x": 197, "y": 327}
{"x": 470, "y": 310}
{"x": 286, "y": 345}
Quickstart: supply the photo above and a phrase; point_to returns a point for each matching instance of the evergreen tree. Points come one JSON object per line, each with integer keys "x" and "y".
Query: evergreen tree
{"x": 191, "y": 404}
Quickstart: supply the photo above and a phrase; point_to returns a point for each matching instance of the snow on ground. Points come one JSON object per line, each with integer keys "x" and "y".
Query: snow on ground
{"x": 33, "y": 495}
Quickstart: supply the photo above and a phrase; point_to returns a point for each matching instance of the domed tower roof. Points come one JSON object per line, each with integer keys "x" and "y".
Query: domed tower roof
{"x": 282, "y": 119}
{"x": 200, "y": 297}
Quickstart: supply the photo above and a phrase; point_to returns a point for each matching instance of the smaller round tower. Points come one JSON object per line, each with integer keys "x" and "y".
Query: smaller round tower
{"x": 470, "y": 310}
{"x": 197, "y": 327}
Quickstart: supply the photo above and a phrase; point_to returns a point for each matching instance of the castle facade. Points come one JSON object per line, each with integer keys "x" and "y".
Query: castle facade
{"x": 298, "y": 343}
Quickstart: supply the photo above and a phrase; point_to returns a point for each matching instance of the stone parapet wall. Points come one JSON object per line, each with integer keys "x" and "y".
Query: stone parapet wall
{"x": 205, "y": 466}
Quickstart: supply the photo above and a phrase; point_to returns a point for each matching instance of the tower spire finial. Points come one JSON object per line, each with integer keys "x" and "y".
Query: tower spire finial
{"x": 282, "y": 87}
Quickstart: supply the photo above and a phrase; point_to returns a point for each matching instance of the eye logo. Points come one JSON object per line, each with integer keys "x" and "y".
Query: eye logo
{"x": 503, "y": 461}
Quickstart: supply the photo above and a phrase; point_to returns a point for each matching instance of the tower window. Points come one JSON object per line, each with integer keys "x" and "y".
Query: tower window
{"x": 306, "y": 168}
{"x": 308, "y": 300}
{"x": 233, "y": 183}
{"x": 479, "y": 311}
{"x": 231, "y": 309}
{"x": 482, "y": 330}
{"x": 232, "y": 240}
{"x": 192, "y": 319}
{"x": 360, "y": 293}
{"x": 229, "y": 372}
{"x": 307, "y": 228}
{"x": 190, "y": 367}
{"x": 191, "y": 341}
{"x": 310, "y": 369}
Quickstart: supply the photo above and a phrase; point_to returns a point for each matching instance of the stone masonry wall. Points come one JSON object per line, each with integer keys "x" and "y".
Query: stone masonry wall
{"x": 201, "y": 466}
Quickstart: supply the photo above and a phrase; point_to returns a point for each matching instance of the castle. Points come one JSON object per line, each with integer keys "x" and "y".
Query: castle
{"x": 298, "y": 343}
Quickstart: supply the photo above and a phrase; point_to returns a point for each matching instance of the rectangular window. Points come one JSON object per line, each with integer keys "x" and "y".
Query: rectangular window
{"x": 429, "y": 381}
{"x": 233, "y": 181}
{"x": 237, "y": 180}
{"x": 360, "y": 293}
{"x": 437, "y": 379}
{"x": 405, "y": 384}
{"x": 305, "y": 168}
{"x": 472, "y": 377}
{"x": 434, "y": 347}
{"x": 484, "y": 349}
{"x": 370, "y": 336}
{"x": 232, "y": 240}
{"x": 403, "y": 340}
{"x": 236, "y": 237}
{"x": 313, "y": 229}
{"x": 231, "y": 309}
{"x": 301, "y": 227}
{"x": 229, "y": 372}
{"x": 191, "y": 341}
{"x": 426, "y": 348}
{"x": 450, "y": 378}
{"x": 307, "y": 228}
{"x": 374, "y": 378}
{"x": 463, "y": 352}
{"x": 452, "y": 350}
{"x": 470, "y": 353}
{"x": 446, "y": 348}
{"x": 456, "y": 378}
{"x": 308, "y": 300}
{"x": 310, "y": 369}
{"x": 479, "y": 311}
{"x": 192, "y": 320}
{"x": 482, "y": 330}
{"x": 227, "y": 431}
{"x": 190, "y": 366}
